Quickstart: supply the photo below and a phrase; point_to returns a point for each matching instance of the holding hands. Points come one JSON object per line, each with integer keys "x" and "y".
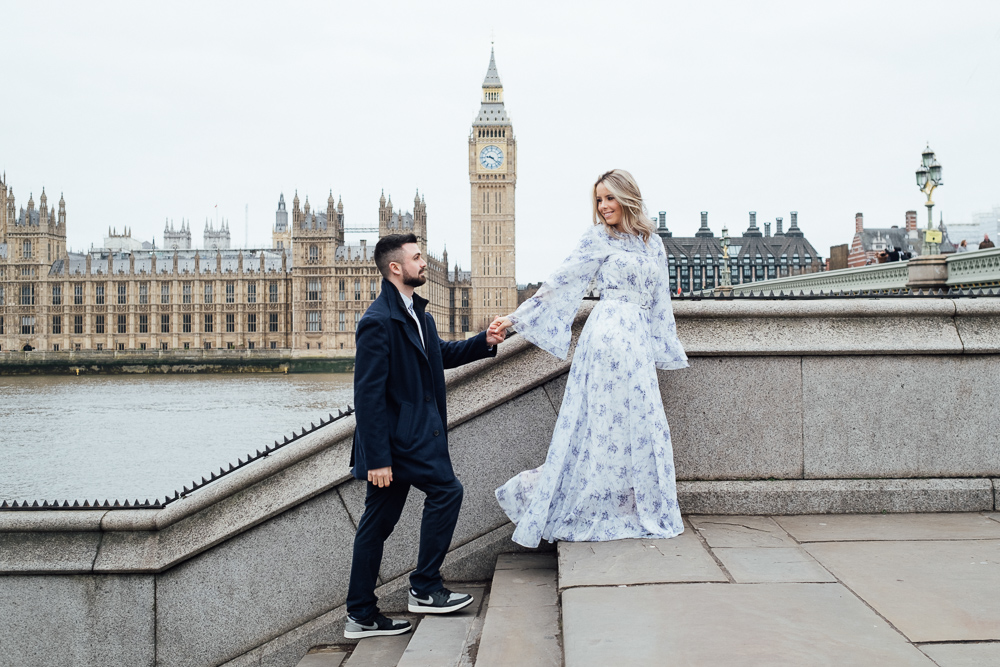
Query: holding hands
{"x": 497, "y": 331}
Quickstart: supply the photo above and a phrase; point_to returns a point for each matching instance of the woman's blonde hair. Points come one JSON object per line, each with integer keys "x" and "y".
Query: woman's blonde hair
{"x": 635, "y": 219}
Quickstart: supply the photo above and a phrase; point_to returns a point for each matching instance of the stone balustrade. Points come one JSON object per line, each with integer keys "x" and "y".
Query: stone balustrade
{"x": 975, "y": 269}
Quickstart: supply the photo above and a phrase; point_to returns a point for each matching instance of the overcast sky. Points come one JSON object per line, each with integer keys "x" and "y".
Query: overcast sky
{"x": 140, "y": 112}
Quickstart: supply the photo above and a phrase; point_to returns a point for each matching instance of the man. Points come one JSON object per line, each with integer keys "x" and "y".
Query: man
{"x": 985, "y": 243}
{"x": 401, "y": 437}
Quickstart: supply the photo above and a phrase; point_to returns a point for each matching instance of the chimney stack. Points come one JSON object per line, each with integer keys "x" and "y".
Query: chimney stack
{"x": 778, "y": 224}
{"x": 767, "y": 229}
{"x": 859, "y": 223}
{"x": 704, "y": 231}
{"x": 911, "y": 221}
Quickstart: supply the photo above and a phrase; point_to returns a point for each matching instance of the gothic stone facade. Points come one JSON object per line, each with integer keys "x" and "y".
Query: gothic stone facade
{"x": 306, "y": 295}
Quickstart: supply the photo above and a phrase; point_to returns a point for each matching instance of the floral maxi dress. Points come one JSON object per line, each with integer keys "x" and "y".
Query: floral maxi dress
{"x": 609, "y": 472}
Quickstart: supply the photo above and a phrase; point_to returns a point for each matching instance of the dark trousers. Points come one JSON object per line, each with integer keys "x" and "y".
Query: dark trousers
{"x": 382, "y": 509}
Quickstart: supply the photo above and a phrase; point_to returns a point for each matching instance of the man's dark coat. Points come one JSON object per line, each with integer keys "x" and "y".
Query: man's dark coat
{"x": 399, "y": 392}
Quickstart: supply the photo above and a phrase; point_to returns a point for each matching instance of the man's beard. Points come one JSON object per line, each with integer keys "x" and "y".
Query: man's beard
{"x": 413, "y": 281}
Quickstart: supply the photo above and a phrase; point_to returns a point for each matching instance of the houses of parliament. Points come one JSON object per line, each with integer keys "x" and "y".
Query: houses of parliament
{"x": 306, "y": 293}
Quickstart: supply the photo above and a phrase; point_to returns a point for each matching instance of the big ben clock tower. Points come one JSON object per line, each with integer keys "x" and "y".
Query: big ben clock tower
{"x": 492, "y": 175}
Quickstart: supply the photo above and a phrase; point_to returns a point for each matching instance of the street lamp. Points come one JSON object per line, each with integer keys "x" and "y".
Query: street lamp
{"x": 725, "y": 284}
{"x": 928, "y": 178}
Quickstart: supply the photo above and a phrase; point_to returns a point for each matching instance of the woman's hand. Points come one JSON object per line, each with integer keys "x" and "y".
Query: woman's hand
{"x": 497, "y": 331}
{"x": 500, "y": 325}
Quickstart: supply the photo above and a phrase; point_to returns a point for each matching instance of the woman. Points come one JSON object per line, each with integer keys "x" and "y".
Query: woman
{"x": 609, "y": 472}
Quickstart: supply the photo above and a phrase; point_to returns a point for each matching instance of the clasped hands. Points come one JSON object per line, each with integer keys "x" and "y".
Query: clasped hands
{"x": 497, "y": 331}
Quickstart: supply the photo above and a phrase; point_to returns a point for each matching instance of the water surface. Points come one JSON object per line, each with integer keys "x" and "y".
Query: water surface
{"x": 143, "y": 436}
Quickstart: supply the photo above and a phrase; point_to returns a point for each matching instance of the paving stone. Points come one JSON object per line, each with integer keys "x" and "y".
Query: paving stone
{"x": 440, "y": 641}
{"x": 379, "y": 651}
{"x": 623, "y": 562}
{"x": 964, "y": 655}
{"x": 756, "y": 565}
{"x": 524, "y": 588}
{"x": 322, "y": 659}
{"x": 544, "y": 561}
{"x": 736, "y": 625}
{"x": 512, "y": 637}
{"x": 741, "y": 531}
{"x": 522, "y": 621}
{"x": 939, "y": 526}
{"x": 931, "y": 591}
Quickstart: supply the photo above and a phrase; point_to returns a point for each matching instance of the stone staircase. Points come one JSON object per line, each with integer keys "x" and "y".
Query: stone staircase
{"x": 514, "y": 621}
{"x": 889, "y": 589}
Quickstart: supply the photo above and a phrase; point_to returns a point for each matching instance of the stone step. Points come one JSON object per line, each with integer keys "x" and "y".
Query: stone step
{"x": 522, "y": 622}
{"x": 381, "y": 651}
{"x": 323, "y": 658}
{"x": 444, "y": 640}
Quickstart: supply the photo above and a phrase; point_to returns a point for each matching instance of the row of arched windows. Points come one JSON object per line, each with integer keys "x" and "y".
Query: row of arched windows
{"x": 494, "y": 133}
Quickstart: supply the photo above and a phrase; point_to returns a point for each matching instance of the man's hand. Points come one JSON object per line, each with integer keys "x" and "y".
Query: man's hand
{"x": 497, "y": 331}
{"x": 380, "y": 477}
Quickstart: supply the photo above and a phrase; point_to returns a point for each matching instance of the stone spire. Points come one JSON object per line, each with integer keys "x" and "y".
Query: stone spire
{"x": 492, "y": 79}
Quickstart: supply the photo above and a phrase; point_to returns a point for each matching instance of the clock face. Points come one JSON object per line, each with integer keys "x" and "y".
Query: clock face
{"x": 491, "y": 157}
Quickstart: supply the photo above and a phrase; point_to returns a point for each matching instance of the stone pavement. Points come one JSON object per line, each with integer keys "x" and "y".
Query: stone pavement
{"x": 888, "y": 589}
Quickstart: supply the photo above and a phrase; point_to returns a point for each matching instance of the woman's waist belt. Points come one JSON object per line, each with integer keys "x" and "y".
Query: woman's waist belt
{"x": 641, "y": 299}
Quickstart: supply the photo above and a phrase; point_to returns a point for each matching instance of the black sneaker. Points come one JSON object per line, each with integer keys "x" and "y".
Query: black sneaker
{"x": 377, "y": 627}
{"x": 441, "y": 602}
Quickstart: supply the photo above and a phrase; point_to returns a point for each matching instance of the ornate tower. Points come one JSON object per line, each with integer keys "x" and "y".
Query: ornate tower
{"x": 281, "y": 237}
{"x": 335, "y": 219}
{"x": 216, "y": 239}
{"x": 492, "y": 175}
{"x": 314, "y": 254}
{"x": 6, "y": 208}
{"x": 174, "y": 239}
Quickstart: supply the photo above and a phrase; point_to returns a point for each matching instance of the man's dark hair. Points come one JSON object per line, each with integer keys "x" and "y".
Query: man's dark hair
{"x": 387, "y": 250}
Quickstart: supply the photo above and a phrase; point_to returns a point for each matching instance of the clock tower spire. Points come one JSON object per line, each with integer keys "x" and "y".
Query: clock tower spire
{"x": 492, "y": 176}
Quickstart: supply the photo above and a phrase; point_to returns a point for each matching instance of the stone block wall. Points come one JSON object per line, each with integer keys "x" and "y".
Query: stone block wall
{"x": 788, "y": 407}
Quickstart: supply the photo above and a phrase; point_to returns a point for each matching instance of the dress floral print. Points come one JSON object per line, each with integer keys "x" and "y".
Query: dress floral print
{"x": 609, "y": 472}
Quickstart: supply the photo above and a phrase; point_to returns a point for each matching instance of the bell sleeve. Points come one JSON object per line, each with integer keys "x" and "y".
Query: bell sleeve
{"x": 546, "y": 319}
{"x": 668, "y": 353}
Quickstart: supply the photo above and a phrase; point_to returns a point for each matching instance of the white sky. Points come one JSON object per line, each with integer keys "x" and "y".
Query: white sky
{"x": 141, "y": 112}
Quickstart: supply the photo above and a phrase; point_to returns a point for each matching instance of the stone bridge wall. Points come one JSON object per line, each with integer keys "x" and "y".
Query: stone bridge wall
{"x": 788, "y": 407}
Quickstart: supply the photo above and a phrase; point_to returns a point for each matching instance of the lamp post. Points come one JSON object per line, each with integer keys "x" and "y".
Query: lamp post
{"x": 928, "y": 178}
{"x": 725, "y": 285}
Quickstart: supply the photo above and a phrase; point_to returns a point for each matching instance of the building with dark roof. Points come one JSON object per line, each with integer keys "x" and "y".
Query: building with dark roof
{"x": 869, "y": 242}
{"x": 694, "y": 262}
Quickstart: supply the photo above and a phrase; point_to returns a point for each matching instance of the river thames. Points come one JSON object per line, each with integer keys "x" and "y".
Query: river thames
{"x": 144, "y": 436}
